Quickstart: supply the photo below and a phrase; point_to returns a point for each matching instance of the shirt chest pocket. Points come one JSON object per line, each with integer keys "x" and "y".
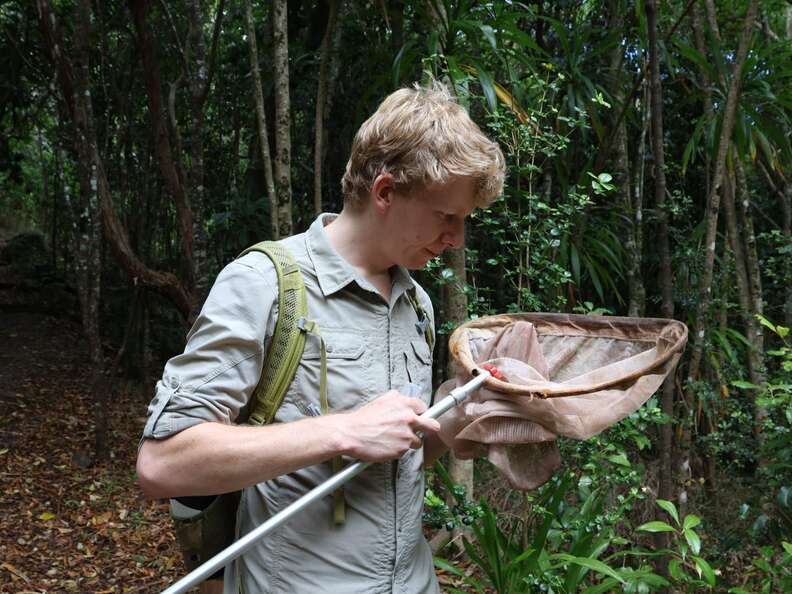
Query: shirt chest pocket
{"x": 419, "y": 366}
{"x": 349, "y": 383}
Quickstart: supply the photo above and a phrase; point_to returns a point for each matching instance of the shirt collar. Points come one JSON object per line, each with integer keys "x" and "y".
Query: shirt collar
{"x": 334, "y": 273}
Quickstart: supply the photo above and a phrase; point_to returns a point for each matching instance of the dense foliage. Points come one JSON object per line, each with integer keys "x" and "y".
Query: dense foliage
{"x": 139, "y": 194}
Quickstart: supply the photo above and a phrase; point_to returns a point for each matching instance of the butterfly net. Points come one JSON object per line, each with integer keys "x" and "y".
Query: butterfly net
{"x": 562, "y": 375}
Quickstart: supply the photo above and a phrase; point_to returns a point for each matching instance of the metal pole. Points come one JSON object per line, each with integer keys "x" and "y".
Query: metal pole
{"x": 224, "y": 557}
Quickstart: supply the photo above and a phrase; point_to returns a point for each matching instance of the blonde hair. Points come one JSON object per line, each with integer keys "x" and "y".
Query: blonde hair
{"x": 422, "y": 137}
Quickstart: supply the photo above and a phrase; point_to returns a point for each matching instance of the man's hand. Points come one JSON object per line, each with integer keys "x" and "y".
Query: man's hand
{"x": 385, "y": 428}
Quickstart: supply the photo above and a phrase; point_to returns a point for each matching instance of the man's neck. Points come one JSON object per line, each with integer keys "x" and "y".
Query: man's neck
{"x": 356, "y": 239}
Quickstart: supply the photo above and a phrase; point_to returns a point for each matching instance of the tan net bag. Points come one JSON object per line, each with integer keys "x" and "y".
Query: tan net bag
{"x": 563, "y": 375}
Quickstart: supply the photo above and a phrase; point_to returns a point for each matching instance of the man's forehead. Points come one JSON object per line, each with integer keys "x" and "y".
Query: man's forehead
{"x": 457, "y": 195}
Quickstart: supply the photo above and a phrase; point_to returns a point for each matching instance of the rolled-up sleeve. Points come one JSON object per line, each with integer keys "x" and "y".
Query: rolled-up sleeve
{"x": 213, "y": 379}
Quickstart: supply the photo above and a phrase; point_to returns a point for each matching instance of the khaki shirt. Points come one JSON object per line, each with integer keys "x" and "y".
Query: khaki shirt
{"x": 372, "y": 347}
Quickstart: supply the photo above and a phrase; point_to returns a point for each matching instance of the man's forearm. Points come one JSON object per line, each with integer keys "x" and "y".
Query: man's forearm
{"x": 213, "y": 458}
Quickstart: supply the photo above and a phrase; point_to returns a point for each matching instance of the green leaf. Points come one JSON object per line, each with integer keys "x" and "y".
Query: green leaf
{"x": 743, "y": 385}
{"x": 705, "y": 570}
{"x": 606, "y": 586}
{"x": 766, "y": 323}
{"x": 487, "y": 86}
{"x": 691, "y": 521}
{"x": 446, "y": 566}
{"x": 620, "y": 459}
{"x": 675, "y": 570}
{"x": 656, "y": 526}
{"x": 593, "y": 564}
{"x": 670, "y": 509}
{"x": 489, "y": 33}
{"x": 693, "y": 540}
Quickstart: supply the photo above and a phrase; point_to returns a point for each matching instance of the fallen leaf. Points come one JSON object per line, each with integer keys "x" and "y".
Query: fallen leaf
{"x": 15, "y": 571}
{"x": 46, "y": 516}
{"x": 103, "y": 518}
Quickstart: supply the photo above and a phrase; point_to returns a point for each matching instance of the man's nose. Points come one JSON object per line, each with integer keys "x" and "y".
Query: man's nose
{"x": 454, "y": 236}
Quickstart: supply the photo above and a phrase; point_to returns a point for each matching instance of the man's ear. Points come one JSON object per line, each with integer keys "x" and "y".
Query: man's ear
{"x": 382, "y": 191}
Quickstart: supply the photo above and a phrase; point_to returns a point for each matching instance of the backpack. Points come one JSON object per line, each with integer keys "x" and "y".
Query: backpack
{"x": 205, "y": 526}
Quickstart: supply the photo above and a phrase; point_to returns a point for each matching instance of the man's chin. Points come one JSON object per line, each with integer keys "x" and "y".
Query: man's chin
{"x": 424, "y": 261}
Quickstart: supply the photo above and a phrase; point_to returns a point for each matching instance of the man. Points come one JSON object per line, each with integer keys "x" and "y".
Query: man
{"x": 417, "y": 168}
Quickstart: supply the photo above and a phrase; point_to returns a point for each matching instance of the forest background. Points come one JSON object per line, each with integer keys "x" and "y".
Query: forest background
{"x": 145, "y": 144}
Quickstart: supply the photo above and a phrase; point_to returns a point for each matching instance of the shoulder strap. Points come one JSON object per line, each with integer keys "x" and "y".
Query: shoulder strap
{"x": 288, "y": 341}
{"x": 424, "y": 325}
{"x": 286, "y": 349}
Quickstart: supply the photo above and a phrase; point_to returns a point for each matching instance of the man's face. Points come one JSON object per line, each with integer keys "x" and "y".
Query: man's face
{"x": 423, "y": 223}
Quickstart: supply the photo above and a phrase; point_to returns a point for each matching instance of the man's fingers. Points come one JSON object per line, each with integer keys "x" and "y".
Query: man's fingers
{"x": 418, "y": 406}
{"x": 426, "y": 425}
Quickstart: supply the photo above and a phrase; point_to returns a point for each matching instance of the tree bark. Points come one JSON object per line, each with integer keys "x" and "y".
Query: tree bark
{"x": 713, "y": 204}
{"x": 200, "y": 76}
{"x": 261, "y": 121}
{"x": 321, "y": 103}
{"x": 786, "y": 229}
{"x": 169, "y": 167}
{"x": 280, "y": 44}
{"x": 623, "y": 177}
{"x": 166, "y": 283}
{"x": 88, "y": 238}
{"x": 666, "y": 473}
{"x": 756, "y": 360}
{"x": 198, "y": 80}
{"x": 455, "y": 308}
{"x": 734, "y": 237}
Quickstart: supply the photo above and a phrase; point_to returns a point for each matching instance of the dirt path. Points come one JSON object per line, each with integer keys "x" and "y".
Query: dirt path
{"x": 65, "y": 527}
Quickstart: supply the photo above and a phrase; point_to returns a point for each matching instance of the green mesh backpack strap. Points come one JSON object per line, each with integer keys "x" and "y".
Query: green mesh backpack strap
{"x": 286, "y": 349}
{"x": 424, "y": 325}
{"x": 206, "y": 527}
{"x": 288, "y": 340}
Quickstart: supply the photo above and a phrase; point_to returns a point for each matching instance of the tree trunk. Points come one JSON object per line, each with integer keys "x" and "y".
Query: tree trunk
{"x": 713, "y": 204}
{"x": 280, "y": 45}
{"x": 321, "y": 103}
{"x": 198, "y": 85}
{"x": 89, "y": 243}
{"x": 396, "y": 19}
{"x": 623, "y": 177}
{"x": 786, "y": 229}
{"x": 261, "y": 121}
{"x": 735, "y": 238}
{"x": 666, "y": 481}
{"x": 76, "y": 104}
{"x": 754, "y": 286}
{"x": 169, "y": 167}
{"x": 455, "y": 308}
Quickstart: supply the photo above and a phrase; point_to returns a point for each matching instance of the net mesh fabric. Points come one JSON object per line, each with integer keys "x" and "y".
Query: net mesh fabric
{"x": 563, "y": 375}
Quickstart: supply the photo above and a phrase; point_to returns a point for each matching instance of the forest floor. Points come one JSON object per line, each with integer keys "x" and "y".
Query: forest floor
{"x": 69, "y": 523}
